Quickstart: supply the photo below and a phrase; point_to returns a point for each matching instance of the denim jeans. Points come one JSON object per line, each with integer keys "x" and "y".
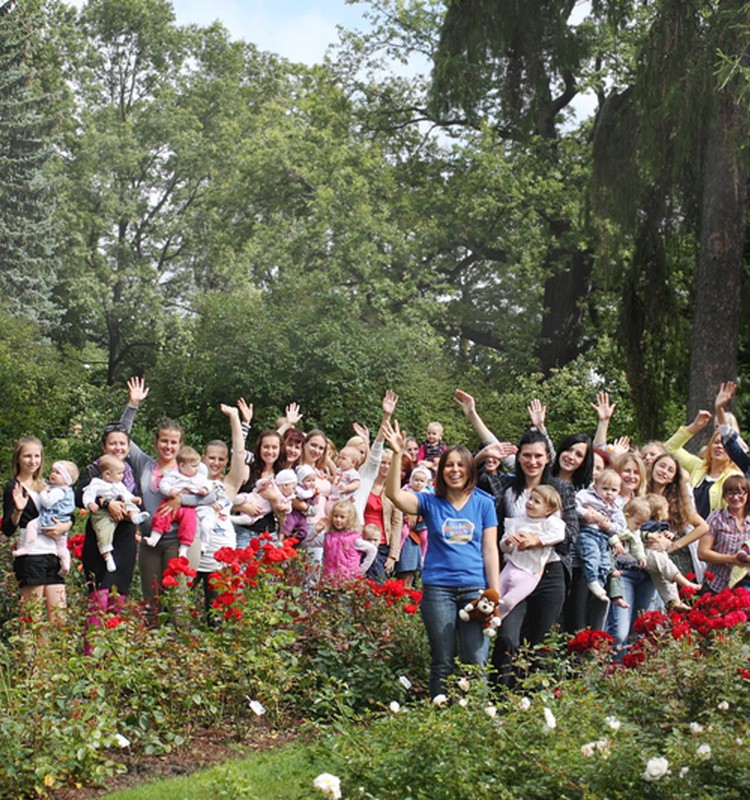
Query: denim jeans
{"x": 448, "y": 634}
{"x": 638, "y": 590}
{"x": 592, "y": 547}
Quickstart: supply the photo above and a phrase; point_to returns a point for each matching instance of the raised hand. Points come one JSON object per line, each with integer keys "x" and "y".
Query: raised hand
{"x": 725, "y": 394}
{"x": 232, "y": 411}
{"x": 362, "y": 431}
{"x": 292, "y": 415}
{"x": 465, "y": 400}
{"x": 245, "y": 410}
{"x": 621, "y": 446}
{"x": 389, "y": 402}
{"x": 138, "y": 391}
{"x": 604, "y": 409}
{"x": 393, "y": 435}
{"x": 537, "y": 413}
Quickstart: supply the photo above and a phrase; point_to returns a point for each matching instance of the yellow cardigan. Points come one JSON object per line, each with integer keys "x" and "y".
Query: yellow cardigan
{"x": 696, "y": 467}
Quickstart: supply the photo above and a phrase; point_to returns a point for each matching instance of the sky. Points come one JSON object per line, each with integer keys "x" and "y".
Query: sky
{"x": 299, "y": 30}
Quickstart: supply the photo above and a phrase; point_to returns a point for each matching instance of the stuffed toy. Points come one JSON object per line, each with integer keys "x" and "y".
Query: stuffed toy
{"x": 484, "y": 609}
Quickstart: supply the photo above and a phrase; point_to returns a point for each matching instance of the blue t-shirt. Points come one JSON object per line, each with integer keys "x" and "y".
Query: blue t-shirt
{"x": 454, "y": 543}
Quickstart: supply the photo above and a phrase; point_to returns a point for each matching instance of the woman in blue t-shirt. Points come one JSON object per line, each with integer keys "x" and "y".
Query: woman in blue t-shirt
{"x": 462, "y": 556}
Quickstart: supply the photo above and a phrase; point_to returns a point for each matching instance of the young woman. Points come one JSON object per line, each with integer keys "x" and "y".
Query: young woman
{"x": 462, "y": 554}
{"x": 666, "y": 479}
{"x": 575, "y": 461}
{"x": 707, "y": 474}
{"x": 380, "y": 510}
{"x": 38, "y": 571}
{"x": 728, "y": 530}
{"x": 292, "y": 443}
{"x": 266, "y": 463}
{"x": 101, "y": 582}
{"x": 148, "y": 472}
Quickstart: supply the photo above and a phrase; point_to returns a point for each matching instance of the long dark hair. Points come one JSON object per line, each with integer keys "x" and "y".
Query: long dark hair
{"x": 441, "y": 489}
{"x": 257, "y": 466}
{"x": 582, "y": 477}
{"x": 529, "y": 436}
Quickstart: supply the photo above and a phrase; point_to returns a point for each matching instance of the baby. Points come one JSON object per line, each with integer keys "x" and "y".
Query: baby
{"x": 432, "y": 447}
{"x": 99, "y": 494}
{"x": 601, "y": 522}
{"x": 523, "y": 564}
{"x": 304, "y": 505}
{"x": 186, "y": 479}
{"x": 347, "y": 480}
{"x": 56, "y": 504}
{"x": 285, "y": 482}
{"x": 659, "y": 565}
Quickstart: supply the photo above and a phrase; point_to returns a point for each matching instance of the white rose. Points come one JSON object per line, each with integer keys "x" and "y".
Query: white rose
{"x": 696, "y": 727}
{"x": 491, "y": 711}
{"x": 588, "y": 749}
{"x": 439, "y": 699}
{"x": 656, "y": 768}
{"x": 463, "y": 702}
{"x": 463, "y": 684}
{"x": 723, "y": 706}
{"x": 394, "y": 706}
{"x": 122, "y": 741}
{"x": 329, "y": 784}
{"x": 704, "y": 751}
{"x": 612, "y": 722}
{"x": 405, "y": 682}
{"x": 524, "y": 704}
{"x": 550, "y": 723}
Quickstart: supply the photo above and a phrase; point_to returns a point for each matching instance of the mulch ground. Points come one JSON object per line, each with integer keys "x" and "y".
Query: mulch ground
{"x": 204, "y": 749}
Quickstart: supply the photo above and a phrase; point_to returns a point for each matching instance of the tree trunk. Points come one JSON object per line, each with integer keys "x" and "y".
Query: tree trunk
{"x": 716, "y": 323}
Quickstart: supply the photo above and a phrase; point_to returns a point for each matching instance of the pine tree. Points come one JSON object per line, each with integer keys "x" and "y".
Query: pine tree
{"x": 29, "y": 238}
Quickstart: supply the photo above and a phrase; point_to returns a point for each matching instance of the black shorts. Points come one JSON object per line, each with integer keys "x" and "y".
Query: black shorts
{"x": 37, "y": 570}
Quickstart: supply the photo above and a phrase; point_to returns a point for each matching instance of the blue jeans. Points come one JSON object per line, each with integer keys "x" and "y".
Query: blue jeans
{"x": 448, "y": 634}
{"x": 638, "y": 590}
{"x": 592, "y": 546}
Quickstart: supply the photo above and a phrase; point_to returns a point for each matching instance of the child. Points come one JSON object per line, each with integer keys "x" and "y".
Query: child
{"x": 659, "y": 565}
{"x": 304, "y": 505}
{"x": 739, "y": 571}
{"x": 523, "y": 565}
{"x": 601, "y": 523}
{"x": 414, "y": 532}
{"x": 347, "y": 480}
{"x": 56, "y": 503}
{"x": 186, "y": 479}
{"x": 371, "y": 533}
{"x": 97, "y": 497}
{"x": 432, "y": 447}
{"x": 342, "y": 545}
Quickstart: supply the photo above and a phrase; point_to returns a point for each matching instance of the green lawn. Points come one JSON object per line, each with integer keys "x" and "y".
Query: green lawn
{"x": 285, "y": 773}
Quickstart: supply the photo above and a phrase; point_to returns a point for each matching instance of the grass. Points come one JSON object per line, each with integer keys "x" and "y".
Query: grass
{"x": 285, "y": 773}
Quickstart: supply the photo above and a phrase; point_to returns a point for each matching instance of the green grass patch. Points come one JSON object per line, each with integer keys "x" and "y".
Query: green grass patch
{"x": 285, "y": 773}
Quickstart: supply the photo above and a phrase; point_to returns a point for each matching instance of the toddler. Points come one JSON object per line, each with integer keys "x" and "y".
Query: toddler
{"x": 304, "y": 505}
{"x": 659, "y": 565}
{"x": 371, "y": 533}
{"x": 414, "y": 532}
{"x": 347, "y": 480}
{"x": 186, "y": 479}
{"x": 523, "y": 565}
{"x": 343, "y": 544}
{"x": 56, "y": 504}
{"x": 602, "y": 522}
{"x": 432, "y": 447}
{"x": 99, "y": 494}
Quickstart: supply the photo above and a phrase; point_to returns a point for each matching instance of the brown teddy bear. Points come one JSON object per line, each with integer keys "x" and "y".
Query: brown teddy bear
{"x": 484, "y": 609}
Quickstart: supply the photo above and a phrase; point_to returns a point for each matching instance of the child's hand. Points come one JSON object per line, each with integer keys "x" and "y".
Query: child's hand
{"x": 203, "y": 491}
{"x": 137, "y": 501}
{"x": 642, "y": 563}
{"x": 93, "y": 507}
{"x": 618, "y": 549}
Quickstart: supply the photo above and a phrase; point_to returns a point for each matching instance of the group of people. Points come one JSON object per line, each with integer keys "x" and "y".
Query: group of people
{"x": 586, "y": 535}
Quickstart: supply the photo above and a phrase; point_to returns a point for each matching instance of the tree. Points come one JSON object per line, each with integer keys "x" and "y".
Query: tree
{"x": 29, "y": 233}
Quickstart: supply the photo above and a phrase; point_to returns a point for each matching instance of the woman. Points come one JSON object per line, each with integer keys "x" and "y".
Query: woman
{"x": 574, "y": 465}
{"x": 226, "y": 487}
{"x": 265, "y": 463}
{"x": 632, "y": 473}
{"x": 100, "y": 582}
{"x": 148, "y": 472}
{"x": 462, "y": 555}
{"x": 379, "y": 510}
{"x": 728, "y": 530}
{"x": 667, "y": 479}
{"x": 38, "y": 572}
{"x": 314, "y": 455}
{"x": 707, "y": 474}
{"x": 292, "y": 443}
{"x": 532, "y": 619}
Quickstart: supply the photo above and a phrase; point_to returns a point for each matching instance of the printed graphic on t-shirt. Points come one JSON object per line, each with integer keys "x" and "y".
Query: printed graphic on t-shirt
{"x": 458, "y": 531}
